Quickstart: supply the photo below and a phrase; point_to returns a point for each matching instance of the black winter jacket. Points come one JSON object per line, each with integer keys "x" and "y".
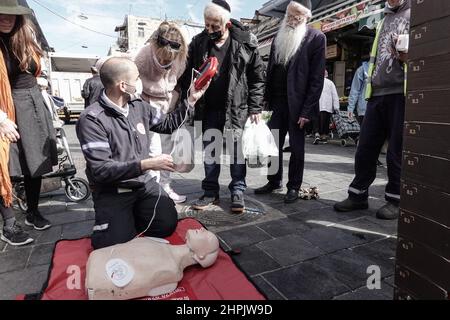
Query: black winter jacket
{"x": 246, "y": 79}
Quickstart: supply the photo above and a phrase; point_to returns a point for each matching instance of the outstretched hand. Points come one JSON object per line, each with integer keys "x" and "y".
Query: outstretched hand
{"x": 163, "y": 162}
{"x": 197, "y": 94}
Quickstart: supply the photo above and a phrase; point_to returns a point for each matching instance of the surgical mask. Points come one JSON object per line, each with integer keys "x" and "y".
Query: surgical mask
{"x": 216, "y": 36}
{"x": 138, "y": 88}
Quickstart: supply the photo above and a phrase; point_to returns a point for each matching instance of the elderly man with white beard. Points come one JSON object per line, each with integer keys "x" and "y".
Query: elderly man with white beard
{"x": 295, "y": 78}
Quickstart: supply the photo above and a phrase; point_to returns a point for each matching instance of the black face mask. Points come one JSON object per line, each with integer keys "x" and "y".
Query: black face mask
{"x": 215, "y": 36}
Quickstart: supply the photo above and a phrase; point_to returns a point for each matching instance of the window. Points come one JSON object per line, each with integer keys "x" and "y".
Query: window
{"x": 141, "y": 32}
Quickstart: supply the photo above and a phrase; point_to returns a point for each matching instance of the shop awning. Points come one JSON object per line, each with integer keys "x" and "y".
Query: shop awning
{"x": 368, "y": 12}
{"x": 277, "y": 8}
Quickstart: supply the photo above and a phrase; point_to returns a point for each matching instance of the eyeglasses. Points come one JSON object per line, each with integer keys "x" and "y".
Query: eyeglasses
{"x": 295, "y": 18}
{"x": 163, "y": 42}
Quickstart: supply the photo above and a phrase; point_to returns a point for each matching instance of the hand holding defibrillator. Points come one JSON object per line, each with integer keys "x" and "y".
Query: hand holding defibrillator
{"x": 203, "y": 79}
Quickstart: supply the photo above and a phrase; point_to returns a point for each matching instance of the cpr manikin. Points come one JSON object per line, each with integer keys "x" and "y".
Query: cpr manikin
{"x": 146, "y": 266}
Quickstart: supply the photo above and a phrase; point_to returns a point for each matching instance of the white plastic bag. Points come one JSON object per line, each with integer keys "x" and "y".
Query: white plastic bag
{"x": 258, "y": 144}
{"x": 183, "y": 152}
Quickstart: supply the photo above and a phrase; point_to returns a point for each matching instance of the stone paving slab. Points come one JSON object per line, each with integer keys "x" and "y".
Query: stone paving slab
{"x": 306, "y": 281}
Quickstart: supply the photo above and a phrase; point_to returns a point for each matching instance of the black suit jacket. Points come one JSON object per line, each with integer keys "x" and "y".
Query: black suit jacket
{"x": 305, "y": 76}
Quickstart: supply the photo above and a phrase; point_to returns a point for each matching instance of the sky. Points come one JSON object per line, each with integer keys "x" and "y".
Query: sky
{"x": 104, "y": 15}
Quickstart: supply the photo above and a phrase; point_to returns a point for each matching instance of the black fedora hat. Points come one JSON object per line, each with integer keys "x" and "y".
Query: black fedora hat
{"x": 12, "y": 7}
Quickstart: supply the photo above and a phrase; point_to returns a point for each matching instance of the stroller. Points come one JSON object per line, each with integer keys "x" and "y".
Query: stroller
{"x": 347, "y": 129}
{"x": 76, "y": 189}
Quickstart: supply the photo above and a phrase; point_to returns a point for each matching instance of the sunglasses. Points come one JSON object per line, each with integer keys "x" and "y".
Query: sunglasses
{"x": 163, "y": 42}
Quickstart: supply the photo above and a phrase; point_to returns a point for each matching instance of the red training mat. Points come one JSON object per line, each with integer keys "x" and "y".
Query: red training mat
{"x": 222, "y": 281}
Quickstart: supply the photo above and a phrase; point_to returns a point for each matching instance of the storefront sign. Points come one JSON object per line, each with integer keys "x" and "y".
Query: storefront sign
{"x": 344, "y": 17}
{"x": 333, "y": 51}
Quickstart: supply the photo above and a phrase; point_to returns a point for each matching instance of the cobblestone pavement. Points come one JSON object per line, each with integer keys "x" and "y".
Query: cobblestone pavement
{"x": 299, "y": 251}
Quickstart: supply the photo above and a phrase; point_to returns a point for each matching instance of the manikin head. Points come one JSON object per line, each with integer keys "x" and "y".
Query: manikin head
{"x": 292, "y": 31}
{"x": 204, "y": 246}
{"x": 217, "y": 15}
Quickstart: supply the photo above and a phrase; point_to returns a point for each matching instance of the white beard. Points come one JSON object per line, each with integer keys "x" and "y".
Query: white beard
{"x": 288, "y": 41}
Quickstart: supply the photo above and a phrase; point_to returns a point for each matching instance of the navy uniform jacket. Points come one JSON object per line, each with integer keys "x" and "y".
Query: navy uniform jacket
{"x": 114, "y": 145}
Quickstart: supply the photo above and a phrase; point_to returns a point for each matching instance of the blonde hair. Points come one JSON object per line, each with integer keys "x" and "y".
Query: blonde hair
{"x": 166, "y": 29}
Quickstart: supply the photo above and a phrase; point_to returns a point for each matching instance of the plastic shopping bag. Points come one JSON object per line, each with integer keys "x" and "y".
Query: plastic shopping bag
{"x": 258, "y": 144}
{"x": 183, "y": 152}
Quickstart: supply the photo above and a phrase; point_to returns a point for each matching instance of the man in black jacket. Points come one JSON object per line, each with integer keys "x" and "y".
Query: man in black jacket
{"x": 294, "y": 84}
{"x": 92, "y": 88}
{"x": 235, "y": 95}
{"x": 113, "y": 133}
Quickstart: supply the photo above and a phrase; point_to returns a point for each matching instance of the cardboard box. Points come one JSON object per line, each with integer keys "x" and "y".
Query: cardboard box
{"x": 430, "y": 39}
{"x": 428, "y": 106}
{"x": 427, "y": 138}
{"x": 426, "y": 10}
{"x": 417, "y": 285}
{"x": 434, "y": 236}
{"x": 429, "y": 73}
{"x": 427, "y": 170}
{"x": 426, "y": 202}
{"x": 422, "y": 261}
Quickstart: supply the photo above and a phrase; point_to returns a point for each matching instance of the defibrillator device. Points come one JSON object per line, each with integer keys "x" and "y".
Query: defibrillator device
{"x": 207, "y": 71}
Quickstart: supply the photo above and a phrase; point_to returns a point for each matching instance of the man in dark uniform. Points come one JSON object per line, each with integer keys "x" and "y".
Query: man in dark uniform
{"x": 113, "y": 134}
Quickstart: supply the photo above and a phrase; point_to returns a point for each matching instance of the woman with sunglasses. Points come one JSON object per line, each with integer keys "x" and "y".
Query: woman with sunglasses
{"x": 161, "y": 62}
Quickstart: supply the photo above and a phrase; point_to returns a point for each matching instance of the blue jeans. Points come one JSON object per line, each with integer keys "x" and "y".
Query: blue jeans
{"x": 238, "y": 169}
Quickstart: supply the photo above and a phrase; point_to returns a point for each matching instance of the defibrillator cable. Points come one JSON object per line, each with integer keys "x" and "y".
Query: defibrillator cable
{"x": 173, "y": 149}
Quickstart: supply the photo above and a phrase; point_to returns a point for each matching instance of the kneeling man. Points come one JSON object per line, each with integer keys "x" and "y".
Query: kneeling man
{"x": 114, "y": 137}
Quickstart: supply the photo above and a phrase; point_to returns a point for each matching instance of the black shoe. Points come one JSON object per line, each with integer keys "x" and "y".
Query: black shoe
{"x": 316, "y": 141}
{"x": 37, "y": 221}
{"x": 15, "y": 236}
{"x": 268, "y": 188}
{"x": 351, "y": 205}
{"x": 237, "y": 203}
{"x": 388, "y": 212}
{"x": 204, "y": 202}
{"x": 287, "y": 149}
{"x": 291, "y": 196}
{"x": 379, "y": 163}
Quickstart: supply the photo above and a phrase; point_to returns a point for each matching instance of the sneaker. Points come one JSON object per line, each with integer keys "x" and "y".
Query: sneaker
{"x": 388, "y": 212}
{"x": 173, "y": 195}
{"x": 204, "y": 202}
{"x": 351, "y": 205}
{"x": 237, "y": 203}
{"x": 268, "y": 188}
{"x": 15, "y": 236}
{"x": 316, "y": 141}
{"x": 37, "y": 221}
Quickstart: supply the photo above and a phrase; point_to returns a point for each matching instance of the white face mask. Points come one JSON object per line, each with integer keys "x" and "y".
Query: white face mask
{"x": 138, "y": 90}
